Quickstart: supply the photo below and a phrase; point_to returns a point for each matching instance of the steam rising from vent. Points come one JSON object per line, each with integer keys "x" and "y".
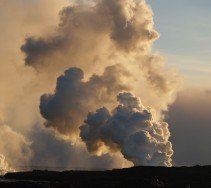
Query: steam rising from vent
{"x": 130, "y": 129}
{"x": 4, "y": 167}
{"x": 72, "y": 66}
{"x": 111, "y": 41}
{"x": 14, "y": 150}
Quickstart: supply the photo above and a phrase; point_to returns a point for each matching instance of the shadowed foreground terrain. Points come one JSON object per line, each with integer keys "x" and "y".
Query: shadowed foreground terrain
{"x": 152, "y": 177}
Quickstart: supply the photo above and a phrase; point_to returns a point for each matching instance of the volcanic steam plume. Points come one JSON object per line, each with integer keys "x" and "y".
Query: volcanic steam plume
{"x": 104, "y": 48}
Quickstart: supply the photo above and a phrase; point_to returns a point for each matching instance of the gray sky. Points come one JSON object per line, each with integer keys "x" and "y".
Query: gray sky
{"x": 190, "y": 126}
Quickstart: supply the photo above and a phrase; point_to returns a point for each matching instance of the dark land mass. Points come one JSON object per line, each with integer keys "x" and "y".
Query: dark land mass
{"x": 136, "y": 177}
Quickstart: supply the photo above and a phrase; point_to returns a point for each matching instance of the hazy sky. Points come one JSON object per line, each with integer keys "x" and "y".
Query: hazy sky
{"x": 185, "y": 37}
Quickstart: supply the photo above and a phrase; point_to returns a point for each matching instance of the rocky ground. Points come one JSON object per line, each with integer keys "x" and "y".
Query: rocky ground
{"x": 136, "y": 177}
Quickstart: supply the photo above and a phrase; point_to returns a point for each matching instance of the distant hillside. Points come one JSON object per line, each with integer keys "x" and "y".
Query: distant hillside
{"x": 136, "y": 177}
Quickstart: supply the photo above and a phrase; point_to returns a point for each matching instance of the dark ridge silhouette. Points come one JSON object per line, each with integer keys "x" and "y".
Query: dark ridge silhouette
{"x": 136, "y": 177}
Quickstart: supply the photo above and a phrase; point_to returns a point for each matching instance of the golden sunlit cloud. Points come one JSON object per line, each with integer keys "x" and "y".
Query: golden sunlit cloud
{"x": 97, "y": 51}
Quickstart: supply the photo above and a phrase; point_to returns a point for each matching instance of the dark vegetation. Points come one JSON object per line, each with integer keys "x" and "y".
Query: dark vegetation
{"x": 136, "y": 177}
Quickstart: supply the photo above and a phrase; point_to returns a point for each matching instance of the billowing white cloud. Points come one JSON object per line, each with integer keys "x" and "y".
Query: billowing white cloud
{"x": 130, "y": 129}
{"x": 104, "y": 47}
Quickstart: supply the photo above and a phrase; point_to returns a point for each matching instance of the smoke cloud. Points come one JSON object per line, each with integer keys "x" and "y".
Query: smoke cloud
{"x": 4, "y": 166}
{"x": 59, "y": 154}
{"x": 130, "y": 129}
{"x": 99, "y": 49}
{"x": 124, "y": 26}
{"x": 74, "y": 98}
{"x": 92, "y": 35}
{"x": 113, "y": 38}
